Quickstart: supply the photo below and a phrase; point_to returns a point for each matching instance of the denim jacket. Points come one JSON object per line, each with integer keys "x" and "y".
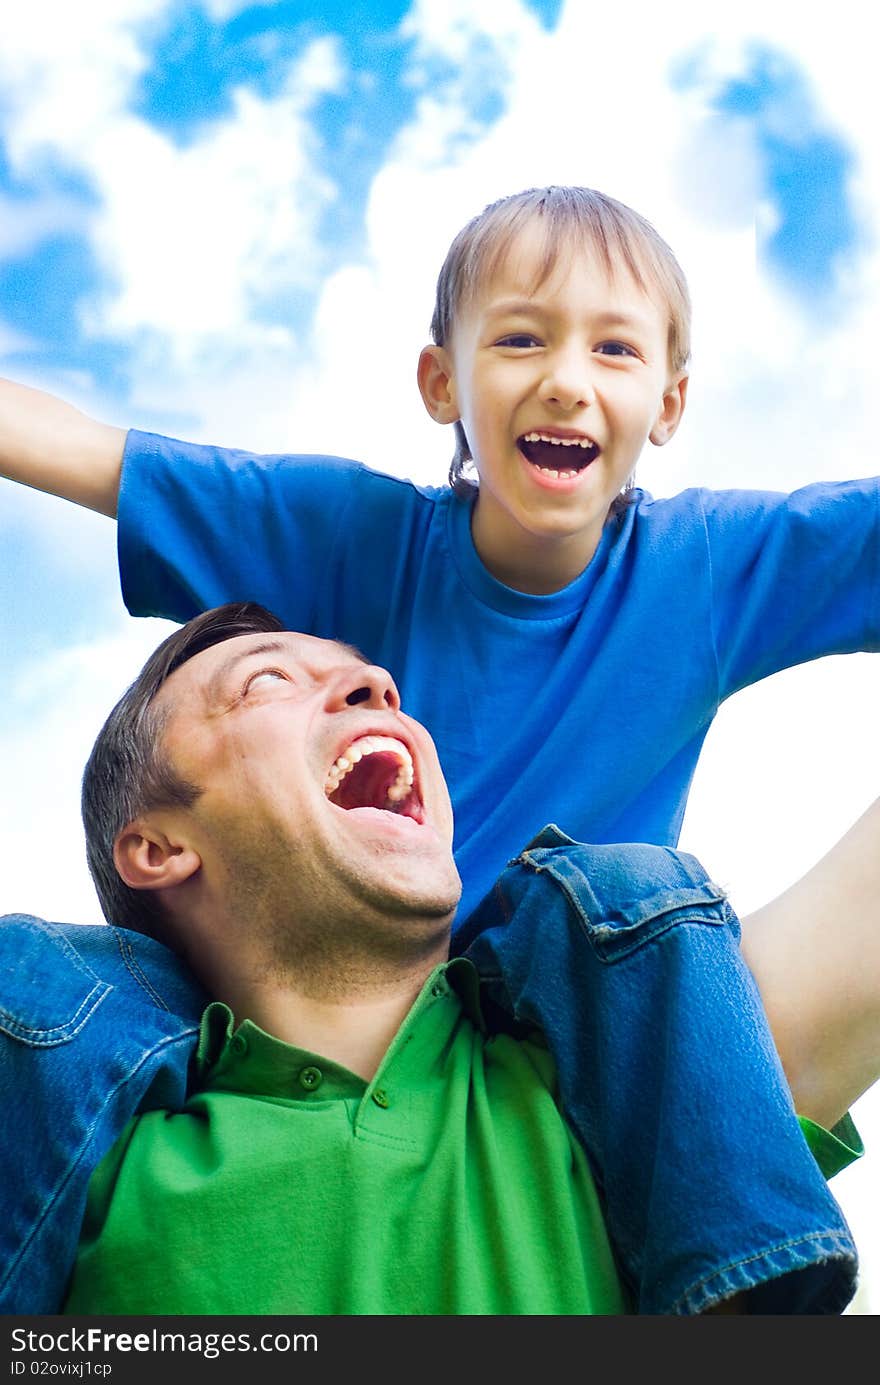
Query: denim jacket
{"x": 626, "y": 958}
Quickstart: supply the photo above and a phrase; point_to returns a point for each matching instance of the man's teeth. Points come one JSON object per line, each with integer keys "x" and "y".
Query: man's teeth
{"x": 372, "y": 745}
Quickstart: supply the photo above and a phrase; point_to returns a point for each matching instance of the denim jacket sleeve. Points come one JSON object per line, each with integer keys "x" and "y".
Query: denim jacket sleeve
{"x": 95, "y": 1023}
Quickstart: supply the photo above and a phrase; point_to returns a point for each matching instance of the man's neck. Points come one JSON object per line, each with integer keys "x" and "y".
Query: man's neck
{"x": 348, "y": 1013}
{"x": 340, "y": 993}
{"x": 354, "y": 1033}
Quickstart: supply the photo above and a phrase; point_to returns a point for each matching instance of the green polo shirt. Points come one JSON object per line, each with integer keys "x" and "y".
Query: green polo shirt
{"x": 449, "y": 1184}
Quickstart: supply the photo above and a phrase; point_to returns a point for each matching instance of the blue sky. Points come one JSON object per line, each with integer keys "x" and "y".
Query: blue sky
{"x": 224, "y": 221}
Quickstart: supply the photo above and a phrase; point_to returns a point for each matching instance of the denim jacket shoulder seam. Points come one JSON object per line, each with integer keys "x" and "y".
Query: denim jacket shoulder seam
{"x": 135, "y": 970}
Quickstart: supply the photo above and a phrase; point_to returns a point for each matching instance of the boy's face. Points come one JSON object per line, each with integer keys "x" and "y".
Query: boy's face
{"x": 558, "y": 388}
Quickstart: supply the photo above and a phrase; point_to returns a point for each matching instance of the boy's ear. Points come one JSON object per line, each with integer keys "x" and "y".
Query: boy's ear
{"x": 436, "y": 384}
{"x": 669, "y": 417}
{"x": 147, "y": 859}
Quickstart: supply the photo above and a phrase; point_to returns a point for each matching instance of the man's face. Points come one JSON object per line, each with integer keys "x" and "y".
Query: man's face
{"x": 318, "y": 793}
{"x": 558, "y": 384}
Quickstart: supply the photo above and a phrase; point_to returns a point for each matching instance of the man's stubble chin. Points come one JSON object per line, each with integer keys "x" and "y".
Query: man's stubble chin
{"x": 302, "y": 917}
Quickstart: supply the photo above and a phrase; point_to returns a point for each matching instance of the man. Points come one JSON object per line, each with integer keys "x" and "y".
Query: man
{"x": 271, "y": 1090}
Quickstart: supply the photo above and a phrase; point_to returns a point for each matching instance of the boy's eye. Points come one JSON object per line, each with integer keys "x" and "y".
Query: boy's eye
{"x": 519, "y": 340}
{"x": 615, "y": 348}
{"x": 268, "y": 674}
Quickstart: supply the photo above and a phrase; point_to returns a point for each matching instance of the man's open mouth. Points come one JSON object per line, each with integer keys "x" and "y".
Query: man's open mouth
{"x": 375, "y": 772}
{"x": 560, "y": 457}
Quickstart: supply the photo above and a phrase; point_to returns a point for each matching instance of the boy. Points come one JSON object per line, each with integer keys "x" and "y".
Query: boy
{"x": 550, "y": 606}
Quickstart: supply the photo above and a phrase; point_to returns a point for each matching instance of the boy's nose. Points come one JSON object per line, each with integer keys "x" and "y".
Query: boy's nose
{"x": 568, "y": 380}
{"x": 364, "y": 685}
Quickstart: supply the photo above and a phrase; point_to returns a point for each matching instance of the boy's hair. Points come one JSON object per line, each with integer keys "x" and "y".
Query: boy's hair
{"x": 128, "y": 771}
{"x": 568, "y": 214}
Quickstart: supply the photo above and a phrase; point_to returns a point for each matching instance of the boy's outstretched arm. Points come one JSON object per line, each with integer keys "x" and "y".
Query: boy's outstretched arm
{"x": 815, "y": 954}
{"x": 52, "y": 446}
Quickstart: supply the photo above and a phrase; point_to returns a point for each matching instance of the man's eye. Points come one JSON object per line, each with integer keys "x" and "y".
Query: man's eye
{"x": 270, "y": 674}
{"x": 615, "y": 348}
{"x": 519, "y": 340}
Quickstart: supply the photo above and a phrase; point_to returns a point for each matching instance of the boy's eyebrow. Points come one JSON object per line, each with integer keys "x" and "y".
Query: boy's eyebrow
{"x": 511, "y": 307}
{"x": 613, "y": 318}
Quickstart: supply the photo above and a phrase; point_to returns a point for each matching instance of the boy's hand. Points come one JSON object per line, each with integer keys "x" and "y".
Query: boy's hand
{"x": 48, "y": 444}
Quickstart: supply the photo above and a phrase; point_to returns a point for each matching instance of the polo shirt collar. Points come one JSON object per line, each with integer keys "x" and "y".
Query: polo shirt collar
{"x": 245, "y": 1059}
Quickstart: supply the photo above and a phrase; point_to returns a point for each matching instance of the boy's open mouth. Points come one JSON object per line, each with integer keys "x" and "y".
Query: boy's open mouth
{"x": 563, "y": 457}
{"x": 375, "y": 772}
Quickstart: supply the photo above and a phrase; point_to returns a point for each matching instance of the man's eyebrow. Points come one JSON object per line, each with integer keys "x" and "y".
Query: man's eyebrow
{"x": 221, "y": 674}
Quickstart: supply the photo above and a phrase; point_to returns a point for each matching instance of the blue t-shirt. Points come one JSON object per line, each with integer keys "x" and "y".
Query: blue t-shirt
{"x": 587, "y": 707}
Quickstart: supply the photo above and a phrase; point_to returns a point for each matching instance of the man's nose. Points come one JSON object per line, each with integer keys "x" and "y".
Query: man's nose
{"x": 364, "y": 685}
{"x": 568, "y": 380}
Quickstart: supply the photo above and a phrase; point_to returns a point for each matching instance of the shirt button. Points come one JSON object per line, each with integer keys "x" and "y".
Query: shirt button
{"x": 438, "y": 989}
{"x": 311, "y": 1078}
{"x": 380, "y": 1096}
{"x": 239, "y": 1044}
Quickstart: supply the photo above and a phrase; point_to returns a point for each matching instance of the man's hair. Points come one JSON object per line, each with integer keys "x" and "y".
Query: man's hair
{"x": 128, "y": 771}
{"x": 568, "y": 216}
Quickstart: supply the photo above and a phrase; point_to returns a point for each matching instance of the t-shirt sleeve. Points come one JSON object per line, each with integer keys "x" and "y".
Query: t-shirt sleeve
{"x": 833, "y": 1149}
{"x": 305, "y": 536}
{"x": 793, "y": 577}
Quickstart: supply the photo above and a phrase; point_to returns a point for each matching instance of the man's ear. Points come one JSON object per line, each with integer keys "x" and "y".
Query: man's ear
{"x": 436, "y": 384}
{"x": 147, "y": 859}
{"x": 669, "y": 417}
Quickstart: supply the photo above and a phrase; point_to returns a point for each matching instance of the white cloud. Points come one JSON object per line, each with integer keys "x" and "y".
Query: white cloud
{"x": 455, "y": 31}
{"x": 54, "y": 706}
{"x": 221, "y": 10}
{"x": 194, "y": 238}
{"x": 66, "y": 71}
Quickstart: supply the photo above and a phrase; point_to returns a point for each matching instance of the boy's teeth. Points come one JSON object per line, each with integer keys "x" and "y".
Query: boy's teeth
{"x": 371, "y": 745}
{"x": 558, "y": 442}
{"x": 537, "y": 447}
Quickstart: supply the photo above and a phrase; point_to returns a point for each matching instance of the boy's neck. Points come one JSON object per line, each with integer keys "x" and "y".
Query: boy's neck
{"x": 538, "y": 565}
